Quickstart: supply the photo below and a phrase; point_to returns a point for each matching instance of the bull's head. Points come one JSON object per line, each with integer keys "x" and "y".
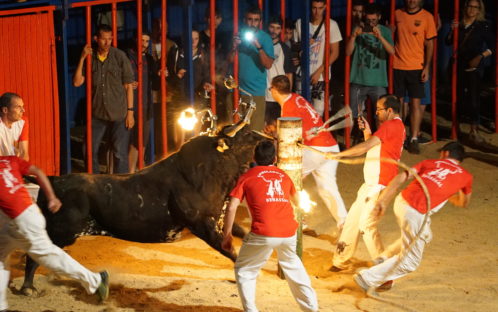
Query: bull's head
{"x": 242, "y": 139}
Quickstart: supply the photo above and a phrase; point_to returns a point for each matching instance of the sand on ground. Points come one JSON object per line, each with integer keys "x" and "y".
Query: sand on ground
{"x": 459, "y": 271}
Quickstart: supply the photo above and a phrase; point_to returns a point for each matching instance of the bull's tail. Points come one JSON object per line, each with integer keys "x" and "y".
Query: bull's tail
{"x": 238, "y": 231}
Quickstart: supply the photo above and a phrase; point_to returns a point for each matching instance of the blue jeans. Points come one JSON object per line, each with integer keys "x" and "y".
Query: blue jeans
{"x": 359, "y": 94}
{"x": 119, "y": 139}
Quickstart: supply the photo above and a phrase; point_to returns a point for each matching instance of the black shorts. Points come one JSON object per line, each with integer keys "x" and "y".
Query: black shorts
{"x": 408, "y": 80}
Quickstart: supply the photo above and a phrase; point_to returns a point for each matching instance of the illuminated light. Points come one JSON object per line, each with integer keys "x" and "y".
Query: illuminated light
{"x": 188, "y": 119}
{"x": 249, "y": 35}
{"x": 305, "y": 201}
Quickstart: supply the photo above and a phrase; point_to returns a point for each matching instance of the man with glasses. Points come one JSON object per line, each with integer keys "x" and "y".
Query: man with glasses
{"x": 256, "y": 55}
{"x": 386, "y": 142}
{"x": 370, "y": 44}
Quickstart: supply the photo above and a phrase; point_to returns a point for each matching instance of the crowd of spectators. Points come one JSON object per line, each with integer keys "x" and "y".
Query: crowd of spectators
{"x": 262, "y": 56}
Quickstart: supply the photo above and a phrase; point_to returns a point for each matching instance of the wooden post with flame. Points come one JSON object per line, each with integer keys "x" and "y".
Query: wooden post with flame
{"x": 290, "y": 160}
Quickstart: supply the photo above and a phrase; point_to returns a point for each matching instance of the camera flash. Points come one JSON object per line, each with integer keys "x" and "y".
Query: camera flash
{"x": 249, "y": 35}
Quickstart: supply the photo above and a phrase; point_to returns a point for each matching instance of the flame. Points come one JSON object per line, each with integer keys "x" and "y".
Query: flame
{"x": 188, "y": 119}
{"x": 305, "y": 201}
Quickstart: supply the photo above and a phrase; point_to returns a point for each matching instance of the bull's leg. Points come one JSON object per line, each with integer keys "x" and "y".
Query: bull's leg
{"x": 206, "y": 230}
{"x": 29, "y": 273}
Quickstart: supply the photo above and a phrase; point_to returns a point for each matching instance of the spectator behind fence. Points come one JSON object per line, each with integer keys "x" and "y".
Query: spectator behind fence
{"x": 424, "y": 102}
{"x": 149, "y": 73}
{"x": 357, "y": 13}
{"x": 317, "y": 52}
{"x": 290, "y": 26}
{"x": 255, "y": 57}
{"x": 202, "y": 80}
{"x": 222, "y": 48}
{"x": 415, "y": 29}
{"x": 14, "y": 127}
{"x": 282, "y": 65}
{"x": 112, "y": 97}
{"x": 295, "y": 48}
{"x": 475, "y": 43}
{"x": 202, "y": 85}
{"x": 172, "y": 53}
{"x": 371, "y": 44}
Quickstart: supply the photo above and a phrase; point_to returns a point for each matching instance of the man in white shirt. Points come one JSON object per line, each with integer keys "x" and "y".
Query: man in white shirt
{"x": 282, "y": 65}
{"x": 13, "y": 127}
{"x": 317, "y": 50}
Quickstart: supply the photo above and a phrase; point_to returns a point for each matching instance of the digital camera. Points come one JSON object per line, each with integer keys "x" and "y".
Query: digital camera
{"x": 367, "y": 28}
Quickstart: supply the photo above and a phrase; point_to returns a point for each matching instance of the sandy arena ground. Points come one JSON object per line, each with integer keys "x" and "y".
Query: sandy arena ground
{"x": 459, "y": 271}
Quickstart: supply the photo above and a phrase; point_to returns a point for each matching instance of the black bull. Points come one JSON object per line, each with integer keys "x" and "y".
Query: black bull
{"x": 187, "y": 189}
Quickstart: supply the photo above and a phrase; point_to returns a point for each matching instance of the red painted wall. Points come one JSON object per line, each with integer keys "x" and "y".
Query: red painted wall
{"x": 28, "y": 68}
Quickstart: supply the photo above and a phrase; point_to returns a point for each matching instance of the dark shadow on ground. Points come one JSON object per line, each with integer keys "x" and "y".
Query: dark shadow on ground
{"x": 138, "y": 299}
{"x": 486, "y": 158}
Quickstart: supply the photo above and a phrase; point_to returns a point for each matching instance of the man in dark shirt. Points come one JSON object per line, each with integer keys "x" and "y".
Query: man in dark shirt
{"x": 222, "y": 47}
{"x": 112, "y": 96}
{"x": 150, "y": 73}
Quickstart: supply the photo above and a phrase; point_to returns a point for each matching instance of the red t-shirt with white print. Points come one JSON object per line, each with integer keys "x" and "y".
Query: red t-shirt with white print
{"x": 443, "y": 178}
{"x": 14, "y": 198}
{"x": 297, "y": 106}
{"x": 268, "y": 190}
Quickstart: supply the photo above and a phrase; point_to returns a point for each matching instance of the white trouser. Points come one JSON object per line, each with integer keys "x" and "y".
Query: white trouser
{"x": 27, "y": 232}
{"x": 410, "y": 222}
{"x": 255, "y": 251}
{"x": 360, "y": 220}
{"x": 319, "y": 104}
{"x": 324, "y": 171}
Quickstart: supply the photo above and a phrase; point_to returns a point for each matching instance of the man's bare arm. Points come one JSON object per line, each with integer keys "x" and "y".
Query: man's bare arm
{"x": 24, "y": 150}
{"x": 228, "y": 224}
{"x": 54, "y": 203}
{"x": 79, "y": 78}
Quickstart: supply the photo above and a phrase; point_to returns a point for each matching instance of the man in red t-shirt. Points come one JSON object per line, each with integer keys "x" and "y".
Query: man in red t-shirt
{"x": 268, "y": 192}
{"x": 446, "y": 180}
{"x": 322, "y": 169}
{"x": 22, "y": 226}
{"x": 386, "y": 142}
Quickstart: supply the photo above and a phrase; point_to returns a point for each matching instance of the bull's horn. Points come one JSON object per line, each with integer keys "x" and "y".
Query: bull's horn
{"x": 230, "y": 83}
{"x": 264, "y": 135}
{"x": 341, "y": 113}
{"x": 233, "y": 129}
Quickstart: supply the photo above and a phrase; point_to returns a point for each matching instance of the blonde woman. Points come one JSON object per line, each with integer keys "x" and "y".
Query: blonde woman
{"x": 475, "y": 43}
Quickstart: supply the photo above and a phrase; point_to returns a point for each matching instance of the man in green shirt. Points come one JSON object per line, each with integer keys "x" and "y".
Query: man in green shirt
{"x": 370, "y": 44}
